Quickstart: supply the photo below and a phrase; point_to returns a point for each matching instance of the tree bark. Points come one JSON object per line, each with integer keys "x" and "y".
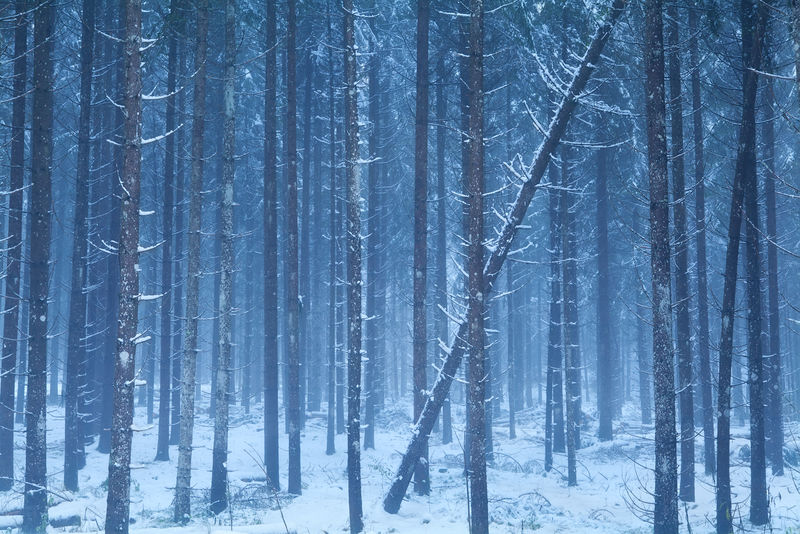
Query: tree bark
{"x": 184, "y": 475}
{"x": 554, "y": 432}
{"x": 334, "y": 225}
{"x": 119, "y": 462}
{"x": 34, "y": 517}
{"x": 353, "y": 273}
{"x": 682, "y": 331}
{"x": 569, "y": 101}
{"x": 12, "y": 296}
{"x": 219, "y": 469}
{"x": 422, "y": 483}
{"x": 605, "y": 404}
{"x": 666, "y": 498}
{"x": 752, "y": 30}
{"x": 702, "y": 264}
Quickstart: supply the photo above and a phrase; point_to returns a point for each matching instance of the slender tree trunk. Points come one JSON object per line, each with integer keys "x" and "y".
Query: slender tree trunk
{"x": 353, "y": 273}
{"x": 666, "y": 498}
{"x": 682, "y": 330}
{"x": 13, "y": 289}
{"x": 334, "y": 225}
{"x": 119, "y": 462}
{"x": 219, "y": 469}
{"x": 76, "y": 352}
{"x": 605, "y": 404}
{"x": 307, "y": 389}
{"x": 422, "y": 483}
{"x": 555, "y": 402}
{"x": 165, "y": 361}
{"x": 479, "y": 506}
{"x": 441, "y": 240}
{"x": 292, "y": 295}
{"x": 271, "y": 428}
{"x": 772, "y": 363}
{"x": 373, "y": 243}
{"x": 752, "y": 29}
{"x": 702, "y": 265}
{"x": 422, "y": 428}
{"x": 34, "y": 517}
{"x": 572, "y": 366}
{"x": 184, "y": 476}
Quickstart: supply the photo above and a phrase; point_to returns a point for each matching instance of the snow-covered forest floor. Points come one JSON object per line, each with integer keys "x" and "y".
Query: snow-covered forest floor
{"x": 613, "y": 478}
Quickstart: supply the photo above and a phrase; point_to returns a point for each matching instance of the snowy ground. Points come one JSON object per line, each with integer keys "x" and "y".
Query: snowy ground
{"x": 613, "y": 478}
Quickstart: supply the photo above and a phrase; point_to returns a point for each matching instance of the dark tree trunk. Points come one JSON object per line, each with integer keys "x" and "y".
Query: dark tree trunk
{"x": 167, "y": 259}
{"x": 353, "y": 273}
{"x": 441, "y": 240}
{"x": 307, "y": 389}
{"x": 184, "y": 475}
{"x": 666, "y": 498}
{"x": 605, "y": 404}
{"x": 702, "y": 265}
{"x": 73, "y": 451}
{"x": 219, "y": 469}
{"x": 476, "y": 427}
{"x": 271, "y": 428}
{"x": 34, "y": 517}
{"x": 752, "y": 29}
{"x": 293, "y": 297}
{"x": 422, "y": 483}
{"x": 330, "y": 447}
{"x": 373, "y": 244}
{"x": 572, "y": 366}
{"x": 569, "y": 101}
{"x": 554, "y": 432}
{"x": 772, "y": 362}
{"x": 682, "y": 330}
{"x": 11, "y": 297}
{"x": 119, "y": 462}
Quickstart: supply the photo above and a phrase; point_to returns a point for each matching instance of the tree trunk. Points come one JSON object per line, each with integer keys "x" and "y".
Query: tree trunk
{"x": 752, "y": 30}
{"x": 11, "y": 297}
{"x": 422, "y": 483}
{"x": 441, "y": 241}
{"x": 555, "y": 396}
{"x": 184, "y": 476}
{"x": 476, "y": 469}
{"x": 569, "y": 101}
{"x": 334, "y": 225}
{"x": 605, "y": 404}
{"x": 772, "y": 363}
{"x": 119, "y": 462}
{"x": 666, "y": 499}
{"x": 219, "y": 469}
{"x": 76, "y": 353}
{"x": 35, "y": 502}
{"x": 353, "y": 273}
{"x": 307, "y": 388}
{"x": 292, "y": 295}
{"x": 702, "y": 265}
{"x": 165, "y": 361}
{"x": 682, "y": 330}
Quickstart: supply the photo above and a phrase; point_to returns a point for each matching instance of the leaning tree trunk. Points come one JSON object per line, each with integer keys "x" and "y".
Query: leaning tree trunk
{"x": 34, "y": 518}
{"x": 666, "y": 498}
{"x": 422, "y": 483}
{"x": 682, "y": 330}
{"x": 11, "y": 297}
{"x": 752, "y": 30}
{"x": 73, "y": 451}
{"x": 219, "y": 469}
{"x": 119, "y": 462}
{"x": 184, "y": 476}
{"x": 702, "y": 265}
{"x": 491, "y": 270}
{"x": 293, "y": 298}
{"x": 353, "y": 273}
{"x": 271, "y": 430}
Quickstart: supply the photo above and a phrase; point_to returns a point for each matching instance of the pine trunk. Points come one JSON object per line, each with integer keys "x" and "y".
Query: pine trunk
{"x": 605, "y": 403}
{"x": 353, "y": 273}
{"x": 330, "y": 447}
{"x": 184, "y": 477}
